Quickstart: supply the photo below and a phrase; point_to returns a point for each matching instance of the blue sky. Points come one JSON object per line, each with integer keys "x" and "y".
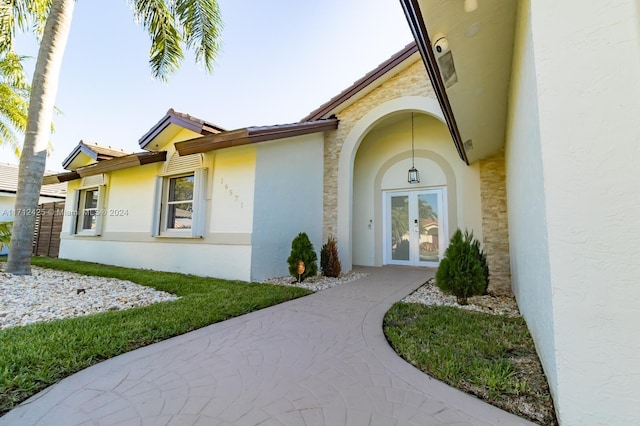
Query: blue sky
{"x": 280, "y": 60}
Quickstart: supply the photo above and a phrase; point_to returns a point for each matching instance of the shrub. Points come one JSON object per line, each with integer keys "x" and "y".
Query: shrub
{"x": 482, "y": 257}
{"x": 302, "y": 250}
{"x": 5, "y": 234}
{"x": 329, "y": 259}
{"x": 461, "y": 272}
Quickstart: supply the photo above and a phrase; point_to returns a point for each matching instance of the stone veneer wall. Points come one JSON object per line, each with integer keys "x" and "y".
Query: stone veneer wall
{"x": 495, "y": 225}
{"x": 412, "y": 81}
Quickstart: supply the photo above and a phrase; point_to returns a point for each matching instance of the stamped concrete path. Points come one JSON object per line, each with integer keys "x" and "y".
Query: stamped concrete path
{"x": 318, "y": 360}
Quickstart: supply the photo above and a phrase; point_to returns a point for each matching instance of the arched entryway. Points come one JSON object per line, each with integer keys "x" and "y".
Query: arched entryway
{"x": 374, "y": 160}
{"x": 394, "y": 221}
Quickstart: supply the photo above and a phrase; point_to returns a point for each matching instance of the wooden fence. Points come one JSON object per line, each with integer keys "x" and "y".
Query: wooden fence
{"x": 46, "y": 237}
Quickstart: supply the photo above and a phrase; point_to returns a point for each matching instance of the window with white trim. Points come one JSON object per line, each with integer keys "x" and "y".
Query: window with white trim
{"x": 180, "y": 205}
{"x": 88, "y": 210}
{"x": 88, "y": 214}
{"x": 178, "y": 202}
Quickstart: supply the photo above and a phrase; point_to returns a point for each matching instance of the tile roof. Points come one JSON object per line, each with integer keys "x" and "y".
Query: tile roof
{"x": 93, "y": 150}
{"x": 181, "y": 119}
{"x": 9, "y": 182}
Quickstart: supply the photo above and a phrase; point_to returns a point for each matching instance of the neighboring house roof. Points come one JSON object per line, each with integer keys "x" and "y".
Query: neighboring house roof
{"x": 181, "y": 120}
{"x": 9, "y": 183}
{"x": 365, "y": 85}
{"x": 119, "y": 163}
{"x": 250, "y": 135}
{"x": 93, "y": 151}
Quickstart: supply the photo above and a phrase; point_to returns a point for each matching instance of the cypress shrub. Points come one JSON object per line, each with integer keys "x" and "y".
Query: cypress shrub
{"x": 482, "y": 257}
{"x": 329, "y": 259}
{"x": 461, "y": 272}
{"x": 302, "y": 250}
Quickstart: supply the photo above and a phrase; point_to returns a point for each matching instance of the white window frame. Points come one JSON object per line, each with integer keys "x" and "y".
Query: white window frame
{"x": 199, "y": 210}
{"x": 79, "y": 209}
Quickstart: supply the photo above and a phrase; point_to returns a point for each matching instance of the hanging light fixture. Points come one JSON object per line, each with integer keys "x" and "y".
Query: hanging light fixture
{"x": 414, "y": 175}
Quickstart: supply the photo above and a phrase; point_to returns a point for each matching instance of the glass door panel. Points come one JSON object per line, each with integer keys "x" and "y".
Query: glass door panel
{"x": 400, "y": 228}
{"x": 428, "y": 208}
{"x": 414, "y": 230}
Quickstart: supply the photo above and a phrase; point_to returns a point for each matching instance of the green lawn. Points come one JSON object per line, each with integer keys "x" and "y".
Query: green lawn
{"x": 490, "y": 356}
{"x": 35, "y": 356}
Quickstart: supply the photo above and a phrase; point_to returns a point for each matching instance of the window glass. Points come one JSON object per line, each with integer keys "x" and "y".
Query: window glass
{"x": 179, "y": 209}
{"x": 89, "y": 209}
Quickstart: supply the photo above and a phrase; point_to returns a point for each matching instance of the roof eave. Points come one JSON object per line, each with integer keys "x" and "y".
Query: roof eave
{"x": 249, "y": 135}
{"x": 172, "y": 117}
{"x": 81, "y": 148}
{"x": 418, "y": 28}
{"x": 118, "y": 163}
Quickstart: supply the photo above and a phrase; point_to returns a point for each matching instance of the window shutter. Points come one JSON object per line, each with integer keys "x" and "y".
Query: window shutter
{"x": 74, "y": 211}
{"x": 102, "y": 192}
{"x": 199, "y": 203}
{"x": 157, "y": 208}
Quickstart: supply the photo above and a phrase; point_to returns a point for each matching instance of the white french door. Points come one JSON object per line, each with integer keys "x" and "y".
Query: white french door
{"x": 415, "y": 227}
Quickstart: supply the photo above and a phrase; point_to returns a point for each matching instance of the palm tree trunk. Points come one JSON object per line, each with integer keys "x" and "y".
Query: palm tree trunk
{"x": 34, "y": 152}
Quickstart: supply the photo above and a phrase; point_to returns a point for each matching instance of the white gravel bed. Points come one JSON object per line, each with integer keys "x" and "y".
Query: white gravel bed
{"x": 48, "y": 294}
{"x": 317, "y": 283}
{"x": 430, "y": 294}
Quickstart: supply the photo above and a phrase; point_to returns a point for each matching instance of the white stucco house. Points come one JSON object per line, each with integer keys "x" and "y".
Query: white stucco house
{"x": 521, "y": 118}
{"x": 204, "y": 200}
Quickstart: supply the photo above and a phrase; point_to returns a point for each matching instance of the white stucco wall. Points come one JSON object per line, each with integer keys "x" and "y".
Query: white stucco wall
{"x": 381, "y": 164}
{"x": 288, "y": 200}
{"x": 587, "y": 63}
{"x": 212, "y": 260}
{"x": 530, "y": 273}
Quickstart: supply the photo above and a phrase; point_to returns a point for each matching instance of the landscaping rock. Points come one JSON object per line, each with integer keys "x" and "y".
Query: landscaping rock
{"x": 48, "y": 294}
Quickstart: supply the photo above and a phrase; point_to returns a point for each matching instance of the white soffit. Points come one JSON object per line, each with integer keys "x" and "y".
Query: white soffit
{"x": 481, "y": 44}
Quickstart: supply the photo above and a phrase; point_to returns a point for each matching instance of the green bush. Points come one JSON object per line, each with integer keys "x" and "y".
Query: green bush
{"x": 461, "y": 272}
{"x": 482, "y": 257}
{"x": 5, "y": 234}
{"x": 329, "y": 259}
{"x": 302, "y": 250}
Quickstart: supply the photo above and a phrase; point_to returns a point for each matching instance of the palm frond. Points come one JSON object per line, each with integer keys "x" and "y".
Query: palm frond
{"x": 12, "y": 72}
{"x": 172, "y": 23}
{"x": 8, "y": 137}
{"x": 166, "y": 52}
{"x": 21, "y": 15}
{"x": 201, "y": 26}
{"x": 14, "y": 100}
{"x": 13, "y": 108}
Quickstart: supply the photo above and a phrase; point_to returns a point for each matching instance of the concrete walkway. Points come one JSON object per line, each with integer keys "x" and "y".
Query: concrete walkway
{"x": 318, "y": 360}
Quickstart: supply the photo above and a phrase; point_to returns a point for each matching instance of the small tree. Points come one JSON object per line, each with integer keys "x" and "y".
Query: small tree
{"x": 461, "y": 272}
{"x": 482, "y": 257}
{"x": 329, "y": 259}
{"x": 302, "y": 250}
